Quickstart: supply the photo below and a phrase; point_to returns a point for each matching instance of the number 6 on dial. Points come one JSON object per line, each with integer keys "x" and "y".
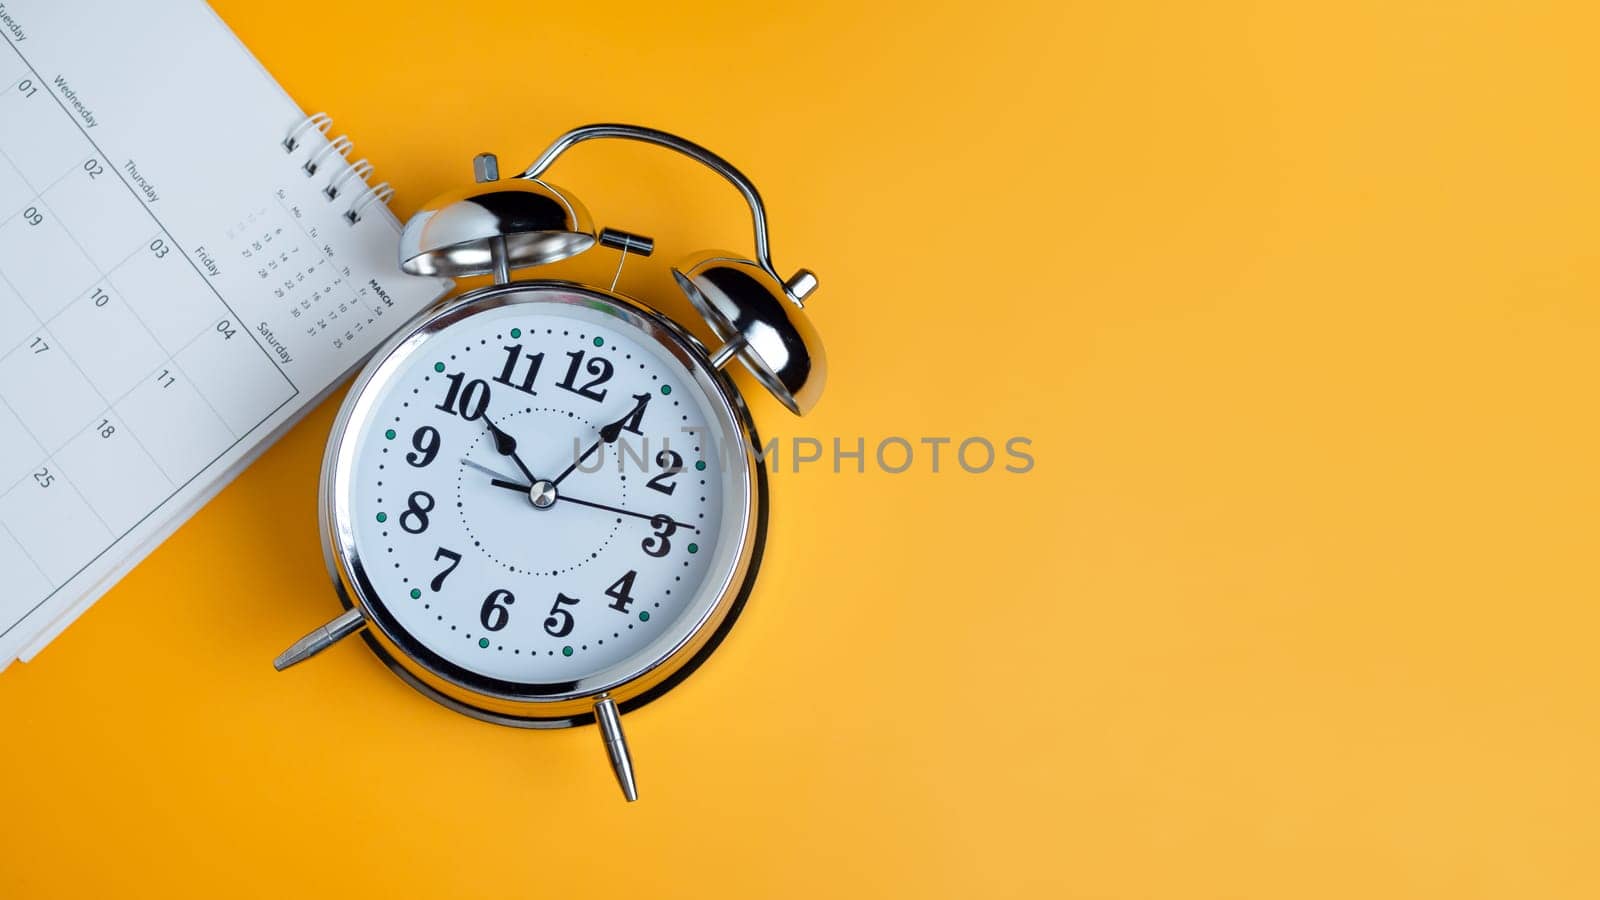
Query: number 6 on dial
{"x": 496, "y": 612}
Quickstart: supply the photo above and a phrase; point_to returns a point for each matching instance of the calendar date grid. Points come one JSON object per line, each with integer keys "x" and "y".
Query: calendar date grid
{"x": 123, "y": 373}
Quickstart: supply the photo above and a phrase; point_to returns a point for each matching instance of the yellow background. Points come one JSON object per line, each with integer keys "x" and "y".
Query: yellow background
{"x": 1299, "y": 308}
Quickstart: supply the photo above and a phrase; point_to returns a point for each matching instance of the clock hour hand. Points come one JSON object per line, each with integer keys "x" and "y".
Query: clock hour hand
{"x": 653, "y": 517}
{"x": 609, "y": 434}
{"x": 506, "y": 445}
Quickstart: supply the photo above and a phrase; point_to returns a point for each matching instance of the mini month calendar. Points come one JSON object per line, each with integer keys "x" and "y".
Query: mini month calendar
{"x": 187, "y": 263}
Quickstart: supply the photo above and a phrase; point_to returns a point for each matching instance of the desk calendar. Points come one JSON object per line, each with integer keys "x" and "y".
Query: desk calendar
{"x": 187, "y": 262}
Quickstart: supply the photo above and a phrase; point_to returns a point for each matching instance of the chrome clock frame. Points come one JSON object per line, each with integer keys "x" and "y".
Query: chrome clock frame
{"x": 640, "y": 677}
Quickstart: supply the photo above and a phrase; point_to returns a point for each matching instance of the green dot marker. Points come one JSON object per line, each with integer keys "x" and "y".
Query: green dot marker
{"x": 416, "y": 594}
{"x": 483, "y": 642}
{"x": 438, "y": 367}
{"x": 516, "y": 332}
{"x": 599, "y": 342}
{"x": 383, "y": 517}
{"x": 700, "y": 465}
{"x": 566, "y": 651}
{"x": 666, "y": 389}
{"x": 389, "y": 434}
{"x": 694, "y": 548}
{"x": 644, "y": 616}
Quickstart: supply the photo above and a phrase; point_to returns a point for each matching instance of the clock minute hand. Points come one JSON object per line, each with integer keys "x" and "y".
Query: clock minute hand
{"x": 608, "y": 434}
{"x": 625, "y": 512}
{"x": 499, "y": 482}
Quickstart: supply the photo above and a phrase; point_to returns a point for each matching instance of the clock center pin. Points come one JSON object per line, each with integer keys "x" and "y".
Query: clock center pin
{"x": 543, "y": 494}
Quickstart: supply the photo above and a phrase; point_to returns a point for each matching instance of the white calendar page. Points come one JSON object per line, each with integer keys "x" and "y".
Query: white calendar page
{"x": 175, "y": 287}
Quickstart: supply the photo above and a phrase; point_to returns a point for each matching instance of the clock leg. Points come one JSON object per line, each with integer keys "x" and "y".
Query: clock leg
{"x": 610, "y": 722}
{"x": 320, "y": 639}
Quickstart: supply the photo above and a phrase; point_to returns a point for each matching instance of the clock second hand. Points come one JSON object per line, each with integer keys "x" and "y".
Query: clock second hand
{"x": 492, "y": 473}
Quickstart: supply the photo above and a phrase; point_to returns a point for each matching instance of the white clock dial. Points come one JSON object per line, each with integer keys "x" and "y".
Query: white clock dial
{"x": 535, "y": 494}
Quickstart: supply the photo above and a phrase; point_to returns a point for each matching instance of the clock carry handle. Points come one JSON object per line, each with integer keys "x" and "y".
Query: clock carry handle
{"x": 642, "y": 134}
{"x": 757, "y": 314}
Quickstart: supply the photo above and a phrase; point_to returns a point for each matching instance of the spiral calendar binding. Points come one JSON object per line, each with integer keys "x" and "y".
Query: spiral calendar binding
{"x": 380, "y": 192}
{"x": 320, "y": 121}
{"x": 360, "y": 170}
{"x": 339, "y": 146}
{"x": 337, "y": 149}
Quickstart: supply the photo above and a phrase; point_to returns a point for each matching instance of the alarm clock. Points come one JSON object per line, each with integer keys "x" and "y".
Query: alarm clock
{"x": 541, "y": 503}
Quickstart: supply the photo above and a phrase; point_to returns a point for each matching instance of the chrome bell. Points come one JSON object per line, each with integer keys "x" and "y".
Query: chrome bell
{"x": 760, "y": 319}
{"x": 494, "y": 226}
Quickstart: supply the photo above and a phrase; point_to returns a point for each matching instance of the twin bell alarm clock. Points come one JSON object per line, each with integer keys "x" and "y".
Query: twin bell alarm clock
{"x": 541, "y": 503}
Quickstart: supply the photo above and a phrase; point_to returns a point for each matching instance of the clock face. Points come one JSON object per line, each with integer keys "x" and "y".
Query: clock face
{"x": 544, "y": 492}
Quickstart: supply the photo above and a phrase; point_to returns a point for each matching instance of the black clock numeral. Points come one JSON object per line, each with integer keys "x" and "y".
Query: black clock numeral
{"x": 598, "y": 366}
{"x": 631, "y": 421}
{"x": 514, "y": 357}
{"x": 437, "y": 584}
{"x": 671, "y": 464}
{"x": 426, "y": 440}
{"x": 560, "y": 621}
{"x": 415, "y": 519}
{"x": 467, "y": 400}
{"x": 494, "y": 614}
{"x": 658, "y": 545}
{"x": 622, "y": 591}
